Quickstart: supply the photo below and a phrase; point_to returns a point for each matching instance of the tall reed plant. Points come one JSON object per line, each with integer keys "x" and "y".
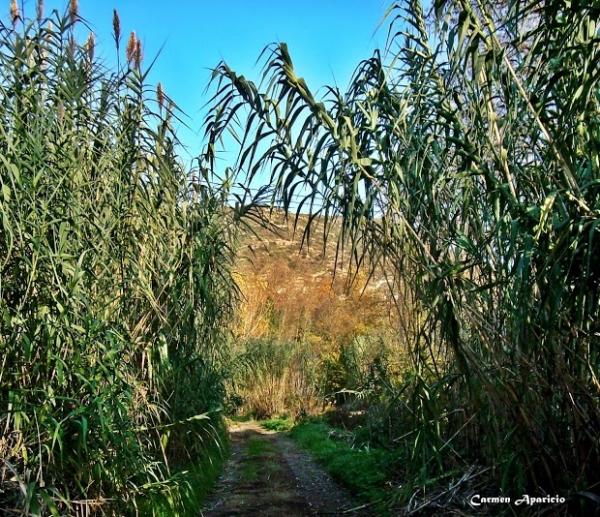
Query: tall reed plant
{"x": 466, "y": 158}
{"x": 114, "y": 280}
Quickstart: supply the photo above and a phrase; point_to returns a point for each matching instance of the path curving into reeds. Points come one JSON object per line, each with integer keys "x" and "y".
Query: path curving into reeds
{"x": 268, "y": 475}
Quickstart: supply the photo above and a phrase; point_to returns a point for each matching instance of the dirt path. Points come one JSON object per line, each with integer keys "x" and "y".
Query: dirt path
{"x": 268, "y": 476}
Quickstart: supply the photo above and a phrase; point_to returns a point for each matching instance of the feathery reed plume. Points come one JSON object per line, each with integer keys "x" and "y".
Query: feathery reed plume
{"x": 90, "y": 46}
{"x": 131, "y": 47}
{"x": 72, "y": 47}
{"x": 74, "y": 10}
{"x": 160, "y": 96}
{"x": 116, "y": 27}
{"x": 138, "y": 53}
{"x": 40, "y": 10}
{"x": 14, "y": 12}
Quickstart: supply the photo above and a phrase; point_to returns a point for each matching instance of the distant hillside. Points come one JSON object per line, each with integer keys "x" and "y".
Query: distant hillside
{"x": 291, "y": 291}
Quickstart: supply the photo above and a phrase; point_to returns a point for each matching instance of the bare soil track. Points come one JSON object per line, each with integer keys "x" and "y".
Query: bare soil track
{"x": 268, "y": 476}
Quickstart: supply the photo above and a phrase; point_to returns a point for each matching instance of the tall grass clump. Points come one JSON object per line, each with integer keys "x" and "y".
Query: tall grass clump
{"x": 271, "y": 378}
{"x": 466, "y": 158}
{"x": 114, "y": 282}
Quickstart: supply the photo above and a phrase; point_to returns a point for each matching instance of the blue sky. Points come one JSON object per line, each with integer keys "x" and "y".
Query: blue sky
{"x": 326, "y": 39}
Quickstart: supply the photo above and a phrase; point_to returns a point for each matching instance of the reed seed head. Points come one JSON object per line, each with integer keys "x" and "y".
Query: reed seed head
{"x": 116, "y": 27}
{"x": 131, "y": 47}
{"x": 74, "y": 10}
{"x": 138, "y": 53}
{"x": 39, "y": 10}
{"x": 15, "y": 14}
{"x": 160, "y": 96}
{"x": 72, "y": 47}
{"x": 90, "y": 46}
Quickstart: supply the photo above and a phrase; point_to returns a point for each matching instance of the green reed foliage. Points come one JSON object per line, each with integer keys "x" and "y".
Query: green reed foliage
{"x": 467, "y": 159}
{"x": 114, "y": 280}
